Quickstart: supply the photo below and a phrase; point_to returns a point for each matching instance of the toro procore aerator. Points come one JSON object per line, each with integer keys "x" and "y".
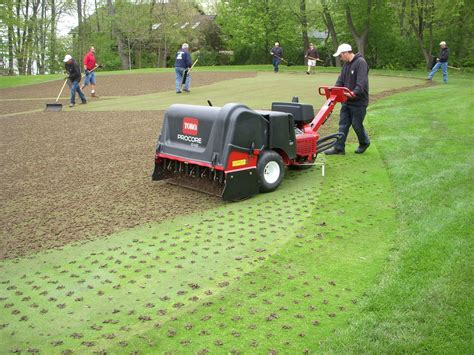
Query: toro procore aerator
{"x": 236, "y": 152}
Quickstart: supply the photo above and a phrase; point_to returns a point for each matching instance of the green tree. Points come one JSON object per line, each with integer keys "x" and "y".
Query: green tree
{"x": 260, "y": 23}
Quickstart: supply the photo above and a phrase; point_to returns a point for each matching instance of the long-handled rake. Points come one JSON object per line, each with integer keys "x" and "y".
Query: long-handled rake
{"x": 56, "y": 106}
{"x": 288, "y": 64}
{"x": 316, "y": 59}
{"x": 185, "y": 74}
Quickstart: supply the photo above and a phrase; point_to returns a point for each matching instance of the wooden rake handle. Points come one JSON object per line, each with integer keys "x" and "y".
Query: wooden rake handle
{"x": 65, "y": 81}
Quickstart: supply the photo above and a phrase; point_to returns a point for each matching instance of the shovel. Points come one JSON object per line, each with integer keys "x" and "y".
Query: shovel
{"x": 185, "y": 74}
{"x": 57, "y": 106}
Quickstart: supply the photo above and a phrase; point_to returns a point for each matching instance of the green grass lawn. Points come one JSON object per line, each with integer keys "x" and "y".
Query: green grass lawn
{"x": 375, "y": 257}
{"x": 12, "y": 81}
{"x": 256, "y": 93}
{"x": 423, "y": 299}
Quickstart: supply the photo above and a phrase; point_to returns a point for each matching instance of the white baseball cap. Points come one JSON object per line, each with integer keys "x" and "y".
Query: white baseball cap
{"x": 442, "y": 43}
{"x": 343, "y": 48}
{"x": 67, "y": 58}
{"x": 185, "y": 45}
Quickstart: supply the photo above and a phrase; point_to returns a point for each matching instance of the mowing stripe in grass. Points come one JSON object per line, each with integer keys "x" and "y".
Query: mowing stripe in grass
{"x": 423, "y": 301}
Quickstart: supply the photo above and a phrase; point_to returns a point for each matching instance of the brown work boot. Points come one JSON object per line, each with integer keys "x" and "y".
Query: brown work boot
{"x": 94, "y": 95}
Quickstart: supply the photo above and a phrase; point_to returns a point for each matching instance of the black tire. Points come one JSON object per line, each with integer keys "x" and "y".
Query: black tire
{"x": 270, "y": 170}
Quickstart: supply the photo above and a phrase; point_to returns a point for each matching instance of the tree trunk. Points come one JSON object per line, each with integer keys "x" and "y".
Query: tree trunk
{"x": 52, "y": 39}
{"x": 97, "y": 16}
{"x": 42, "y": 40}
{"x": 31, "y": 29}
{"x": 10, "y": 39}
{"x": 360, "y": 39}
{"x": 117, "y": 35}
{"x": 80, "y": 35}
{"x": 402, "y": 17}
{"x": 165, "y": 54}
{"x": 21, "y": 32}
{"x": 331, "y": 29}
{"x": 424, "y": 19}
{"x": 129, "y": 54}
{"x": 304, "y": 24}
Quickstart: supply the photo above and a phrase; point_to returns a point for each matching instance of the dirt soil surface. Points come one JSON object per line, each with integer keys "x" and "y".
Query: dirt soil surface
{"x": 69, "y": 176}
{"x": 72, "y": 176}
{"x": 121, "y": 85}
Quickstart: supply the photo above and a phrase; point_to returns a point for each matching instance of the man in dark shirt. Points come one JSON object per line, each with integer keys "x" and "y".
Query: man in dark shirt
{"x": 182, "y": 63}
{"x": 74, "y": 75}
{"x": 312, "y": 56}
{"x": 354, "y": 76}
{"x": 442, "y": 63}
{"x": 277, "y": 53}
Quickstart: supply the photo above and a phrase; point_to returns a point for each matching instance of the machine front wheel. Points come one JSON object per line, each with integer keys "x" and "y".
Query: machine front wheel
{"x": 270, "y": 170}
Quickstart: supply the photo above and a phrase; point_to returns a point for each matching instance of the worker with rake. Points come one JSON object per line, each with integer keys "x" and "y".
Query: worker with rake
{"x": 354, "y": 76}
{"x": 442, "y": 63}
{"x": 74, "y": 76}
{"x": 312, "y": 56}
{"x": 182, "y": 64}
{"x": 277, "y": 53}
{"x": 89, "y": 67}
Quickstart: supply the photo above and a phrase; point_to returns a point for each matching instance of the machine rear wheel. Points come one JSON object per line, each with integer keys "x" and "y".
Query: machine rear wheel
{"x": 270, "y": 170}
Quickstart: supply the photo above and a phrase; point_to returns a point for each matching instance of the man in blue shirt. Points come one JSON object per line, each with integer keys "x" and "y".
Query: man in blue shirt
{"x": 183, "y": 62}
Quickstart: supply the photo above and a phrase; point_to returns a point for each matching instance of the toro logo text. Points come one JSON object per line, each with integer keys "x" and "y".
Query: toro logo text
{"x": 190, "y": 126}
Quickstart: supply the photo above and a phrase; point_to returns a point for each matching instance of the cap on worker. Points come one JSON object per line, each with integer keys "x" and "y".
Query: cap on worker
{"x": 442, "y": 43}
{"x": 343, "y": 48}
{"x": 67, "y": 58}
{"x": 185, "y": 45}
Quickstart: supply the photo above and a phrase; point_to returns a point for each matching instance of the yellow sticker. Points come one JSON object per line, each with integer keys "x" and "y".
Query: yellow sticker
{"x": 239, "y": 162}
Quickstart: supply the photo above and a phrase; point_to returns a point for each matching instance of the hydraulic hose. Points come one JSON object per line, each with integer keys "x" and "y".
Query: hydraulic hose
{"x": 328, "y": 142}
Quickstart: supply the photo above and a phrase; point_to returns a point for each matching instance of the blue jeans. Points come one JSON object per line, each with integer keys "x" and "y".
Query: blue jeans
{"x": 76, "y": 88}
{"x": 352, "y": 116}
{"x": 444, "y": 69}
{"x": 276, "y": 63}
{"x": 90, "y": 79}
{"x": 179, "y": 79}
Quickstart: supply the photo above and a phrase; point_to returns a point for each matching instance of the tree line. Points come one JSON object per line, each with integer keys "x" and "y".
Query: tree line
{"x": 392, "y": 34}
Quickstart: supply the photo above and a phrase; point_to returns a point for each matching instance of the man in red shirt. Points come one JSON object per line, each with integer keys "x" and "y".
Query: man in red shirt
{"x": 90, "y": 64}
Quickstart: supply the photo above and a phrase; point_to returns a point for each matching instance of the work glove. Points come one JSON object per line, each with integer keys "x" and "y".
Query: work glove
{"x": 87, "y": 72}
